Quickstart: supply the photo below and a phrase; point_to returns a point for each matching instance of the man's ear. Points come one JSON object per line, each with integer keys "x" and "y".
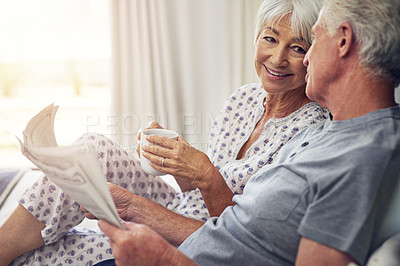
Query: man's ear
{"x": 345, "y": 39}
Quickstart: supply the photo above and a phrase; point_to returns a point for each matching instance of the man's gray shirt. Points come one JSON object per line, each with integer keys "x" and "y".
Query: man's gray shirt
{"x": 330, "y": 183}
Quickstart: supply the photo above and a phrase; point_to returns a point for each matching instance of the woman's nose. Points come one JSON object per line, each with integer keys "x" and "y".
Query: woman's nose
{"x": 278, "y": 58}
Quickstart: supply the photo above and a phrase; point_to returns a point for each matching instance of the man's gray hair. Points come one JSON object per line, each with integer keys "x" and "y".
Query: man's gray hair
{"x": 303, "y": 13}
{"x": 376, "y": 27}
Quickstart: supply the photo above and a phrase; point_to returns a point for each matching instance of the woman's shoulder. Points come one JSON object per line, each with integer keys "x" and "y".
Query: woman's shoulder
{"x": 309, "y": 113}
{"x": 248, "y": 95}
{"x": 249, "y": 88}
{"x": 313, "y": 109}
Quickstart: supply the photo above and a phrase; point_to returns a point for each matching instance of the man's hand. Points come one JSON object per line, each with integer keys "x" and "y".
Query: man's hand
{"x": 139, "y": 245}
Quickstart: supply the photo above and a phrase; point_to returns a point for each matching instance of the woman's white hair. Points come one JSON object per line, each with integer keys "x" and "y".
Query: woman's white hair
{"x": 303, "y": 14}
{"x": 376, "y": 28}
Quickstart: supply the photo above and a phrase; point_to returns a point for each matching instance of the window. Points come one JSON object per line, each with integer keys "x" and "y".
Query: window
{"x": 53, "y": 51}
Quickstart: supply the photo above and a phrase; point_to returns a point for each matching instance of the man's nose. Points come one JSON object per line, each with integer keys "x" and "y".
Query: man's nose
{"x": 305, "y": 60}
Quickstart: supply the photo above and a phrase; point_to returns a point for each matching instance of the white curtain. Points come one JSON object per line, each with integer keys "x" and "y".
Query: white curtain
{"x": 177, "y": 61}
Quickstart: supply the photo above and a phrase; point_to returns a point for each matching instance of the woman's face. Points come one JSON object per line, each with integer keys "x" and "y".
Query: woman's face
{"x": 279, "y": 58}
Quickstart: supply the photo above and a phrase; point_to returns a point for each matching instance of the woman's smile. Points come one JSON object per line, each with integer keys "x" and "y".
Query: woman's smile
{"x": 276, "y": 75}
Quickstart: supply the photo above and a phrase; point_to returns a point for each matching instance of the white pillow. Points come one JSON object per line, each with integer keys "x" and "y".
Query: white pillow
{"x": 388, "y": 254}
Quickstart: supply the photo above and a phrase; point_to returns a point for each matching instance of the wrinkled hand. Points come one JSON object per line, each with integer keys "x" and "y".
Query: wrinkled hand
{"x": 182, "y": 161}
{"x": 139, "y": 245}
{"x": 153, "y": 124}
{"x": 124, "y": 201}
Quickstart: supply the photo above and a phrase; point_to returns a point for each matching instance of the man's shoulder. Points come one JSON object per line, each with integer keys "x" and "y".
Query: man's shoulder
{"x": 377, "y": 126}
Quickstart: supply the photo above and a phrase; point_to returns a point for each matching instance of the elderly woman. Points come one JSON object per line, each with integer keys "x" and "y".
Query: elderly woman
{"x": 256, "y": 121}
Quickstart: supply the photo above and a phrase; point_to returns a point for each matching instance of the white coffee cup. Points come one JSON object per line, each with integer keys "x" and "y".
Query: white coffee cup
{"x": 144, "y": 162}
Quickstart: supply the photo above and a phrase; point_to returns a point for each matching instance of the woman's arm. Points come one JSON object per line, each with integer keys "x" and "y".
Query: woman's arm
{"x": 216, "y": 193}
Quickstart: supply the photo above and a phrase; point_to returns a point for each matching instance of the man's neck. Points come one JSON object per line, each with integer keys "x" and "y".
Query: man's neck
{"x": 360, "y": 94}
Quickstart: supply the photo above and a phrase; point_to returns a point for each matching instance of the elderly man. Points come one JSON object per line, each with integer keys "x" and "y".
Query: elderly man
{"x": 323, "y": 201}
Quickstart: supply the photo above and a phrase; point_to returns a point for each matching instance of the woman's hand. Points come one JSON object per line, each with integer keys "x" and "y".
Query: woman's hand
{"x": 125, "y": 203}
{"x": 187, "y": 164}
{"x": 153, "y": 124}
{"x": 191, "y": 167}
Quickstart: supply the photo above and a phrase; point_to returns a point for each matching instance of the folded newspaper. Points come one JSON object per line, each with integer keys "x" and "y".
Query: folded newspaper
{"x": 75, "y": 169}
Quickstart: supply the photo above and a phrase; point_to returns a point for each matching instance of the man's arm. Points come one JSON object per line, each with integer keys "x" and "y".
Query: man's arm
{"x": 172, "y": 226}
{"x": 139, "y": 245}
{"x": 314, "y": 253}
{"x": 133, "y": 208}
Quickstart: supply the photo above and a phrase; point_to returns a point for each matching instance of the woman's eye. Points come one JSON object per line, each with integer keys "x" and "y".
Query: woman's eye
{"x": 299, "y": 50}
{"x": 269, "y": 39}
